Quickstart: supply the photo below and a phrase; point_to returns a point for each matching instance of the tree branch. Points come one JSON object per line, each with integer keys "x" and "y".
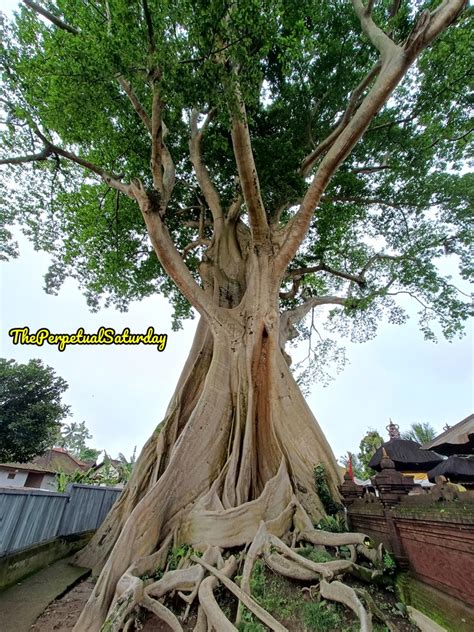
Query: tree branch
{"x": 169, "y": 257}
{"x": 149, "y": 26}
{"x": 292, "y": 316}
{"x": 205, "y": 183}
{"x": 376, "y": 35}
{"x": 393, "y": 69}
{"x": 17, "y": 160}
{"x": 247, "y": 172}
{"x": 51, "y": 149}
{"x": 51, "y": 17}
{"x": 354, "y": 102}
{"x": 359, "y": 279}
{"x": 161, "y": 163}
{"x": 139, "y": 109}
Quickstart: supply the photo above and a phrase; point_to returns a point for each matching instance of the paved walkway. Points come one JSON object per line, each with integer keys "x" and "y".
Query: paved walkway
{"x": 22, "y": 603}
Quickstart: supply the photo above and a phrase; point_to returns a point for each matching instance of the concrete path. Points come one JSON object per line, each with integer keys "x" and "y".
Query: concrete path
{"x": 22, "y": 603}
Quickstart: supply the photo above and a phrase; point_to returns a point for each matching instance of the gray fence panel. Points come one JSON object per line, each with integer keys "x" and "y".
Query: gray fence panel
{"x": 84, "y": 511}
{"x": 40, "y": 520}
{"x": 110, "y": 496}
{"x": 11, "y": 506}
{"x": 30, "y": 517}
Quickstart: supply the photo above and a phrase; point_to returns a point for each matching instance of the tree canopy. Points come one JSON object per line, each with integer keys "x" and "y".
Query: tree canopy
{"x": 30, "y": 409}
{"x": 79, "y": 101}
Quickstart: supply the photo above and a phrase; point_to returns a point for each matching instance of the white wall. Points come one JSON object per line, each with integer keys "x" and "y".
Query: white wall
{"x": 49, "y": 483}
{"x": 18, "y": 481}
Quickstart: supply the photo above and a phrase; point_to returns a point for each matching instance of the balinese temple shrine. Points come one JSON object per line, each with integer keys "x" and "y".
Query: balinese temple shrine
{"x": 407, "y": 455}
{"x": 457, "y": 443}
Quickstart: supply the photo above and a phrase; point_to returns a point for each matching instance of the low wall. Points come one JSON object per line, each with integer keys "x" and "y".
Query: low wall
{"x": 449, "y": 612}
{"x": 16, "y": 566}
{"x": 434, "y": 541}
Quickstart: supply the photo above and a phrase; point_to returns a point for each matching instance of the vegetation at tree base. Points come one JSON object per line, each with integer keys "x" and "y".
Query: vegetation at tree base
{"x": 323, "y": 490}
{"x": 421, "y": 432}
{"x": 30, "y": 409}
{"x": 256, "y": 161}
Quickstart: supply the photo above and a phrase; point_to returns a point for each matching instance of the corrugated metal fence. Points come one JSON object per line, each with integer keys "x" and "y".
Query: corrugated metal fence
{"x": 30, "y": 517}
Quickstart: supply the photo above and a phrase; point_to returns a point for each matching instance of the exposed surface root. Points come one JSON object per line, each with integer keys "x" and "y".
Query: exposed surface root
{"x": 337, "y": 591}
{"x": 376, "y": 611}
{"x": 137, "y": 589}
{"x": 250, "y": 603}
{"x": 214, "y": 615}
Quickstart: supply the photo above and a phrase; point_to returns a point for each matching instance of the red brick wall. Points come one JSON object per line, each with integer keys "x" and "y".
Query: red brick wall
{"x": 438, "y": 542}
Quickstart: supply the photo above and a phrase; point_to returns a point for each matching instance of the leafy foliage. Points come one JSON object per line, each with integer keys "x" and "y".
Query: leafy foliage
{"x": 367, "y": 447}
{"x": 30, "y": 409}
{"x": 398, "y": 207}
{"x": 72, "y": 437}
{"x": 420, "y": 432}
{"x": 323, "y": 491}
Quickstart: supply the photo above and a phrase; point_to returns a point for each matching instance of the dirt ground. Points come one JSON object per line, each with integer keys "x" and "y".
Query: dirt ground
{"x": 62, "y": 614}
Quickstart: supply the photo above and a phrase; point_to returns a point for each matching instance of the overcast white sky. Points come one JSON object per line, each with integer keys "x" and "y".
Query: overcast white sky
{"x": 122, "y": 391}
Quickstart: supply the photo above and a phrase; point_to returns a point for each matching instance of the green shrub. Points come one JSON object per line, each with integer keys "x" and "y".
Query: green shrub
{"x": 336, "y": 524}
{"x": 322, "y": 489}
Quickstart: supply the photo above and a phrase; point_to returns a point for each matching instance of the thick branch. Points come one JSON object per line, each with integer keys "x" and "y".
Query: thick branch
{"x": 393, "y": 70}
{"x": 248, "y": 172}
{"x": 205, "y": 183}
{"x": 51, "y": 17}
{"x": 161, "y": 163}
{"x": 354, "y": 102}
{"x": 149, "y": 26}
{"x": 167, "y": 253}
{"x": 139, "y": 109}
{"x": 376, "y": 35}
{"x": 156, "y": 140}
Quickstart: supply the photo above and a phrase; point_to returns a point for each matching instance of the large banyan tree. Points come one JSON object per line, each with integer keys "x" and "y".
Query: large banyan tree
{"x": 255, "y": 161}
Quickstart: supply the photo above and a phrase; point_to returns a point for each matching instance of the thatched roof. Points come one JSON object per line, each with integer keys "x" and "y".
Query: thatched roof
{"x": 456, "y": 440}
{"x": 407, "y": 456}
{"x": 52, "y": 461}
{"x": 456, "y": 468}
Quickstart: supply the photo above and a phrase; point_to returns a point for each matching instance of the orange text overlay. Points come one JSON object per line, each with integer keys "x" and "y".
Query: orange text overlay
{"x": 104, "y": 336}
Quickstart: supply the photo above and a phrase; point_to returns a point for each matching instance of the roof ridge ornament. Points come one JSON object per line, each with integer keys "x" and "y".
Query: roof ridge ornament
{"x": 393, "y": 430}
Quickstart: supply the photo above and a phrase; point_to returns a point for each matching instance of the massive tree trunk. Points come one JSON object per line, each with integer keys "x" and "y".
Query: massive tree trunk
{"x": 238, "y": 444}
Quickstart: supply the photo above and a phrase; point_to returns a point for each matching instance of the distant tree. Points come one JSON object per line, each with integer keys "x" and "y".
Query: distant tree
{"x": 30, "y": 409}
{"x": 357, "y": 468}
{"x": 73, "y": 437}
{"x": 420, "y": 432}
{"x": 367, "y": 447}
{"x": 89, "y": 454}
{"x": 125, "y": 467}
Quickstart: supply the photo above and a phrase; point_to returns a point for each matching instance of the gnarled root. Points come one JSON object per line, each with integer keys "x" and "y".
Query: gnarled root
{"x": 337, "y": 591}
{"x": 135, "y": 590}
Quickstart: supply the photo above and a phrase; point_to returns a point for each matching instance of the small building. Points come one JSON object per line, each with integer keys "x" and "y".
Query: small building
{"x": 407, "y": 455}
{"x": 457, "y": 443}
{"x": 458, "y": 439}
{"x": 40, "y": 472}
